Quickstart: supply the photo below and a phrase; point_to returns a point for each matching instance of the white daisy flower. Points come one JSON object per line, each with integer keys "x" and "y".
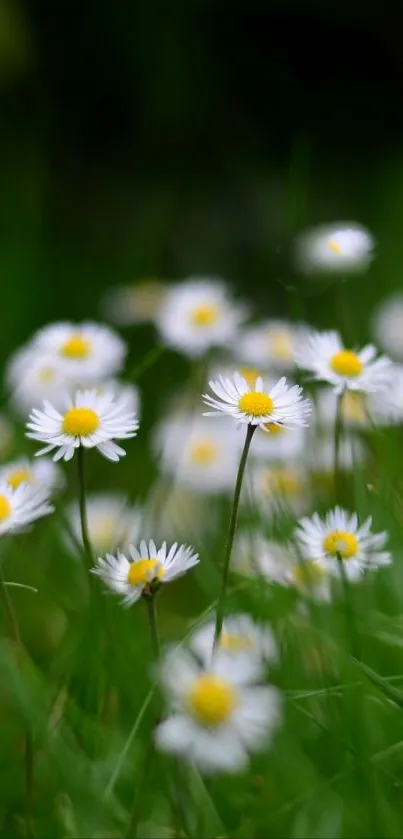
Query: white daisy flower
{"x": 281, "y": 405}
{"x": 90, "y": 421}
{"x": 20, "y": 507}
{"x": 198, "y": 314}
{"x": 278, "y": 488}
{"x": 339, "y": 535}
{"x": 201, "y": 454}
{"x": 219, "y": 715}
{"x": 139, "y": 302}
{"x": 127, "y": 393}
{"x": 270, "y": 344}
{"x": 358, "y": 409}
{"x": 345, "y": 369}
{"x": 278, "y": 443}
{"x": 112, "y": 523}
{"x": 339, "y": 247}
{"x": 32, "y": 377}
{"x": 6, "y": 435}
{"x": 42, "y": 474}
{"x": 252, "y": 645}
{"x": 88, "y": 352}
{"x": 146, "y": 568}
{"x": 387, "y": 325}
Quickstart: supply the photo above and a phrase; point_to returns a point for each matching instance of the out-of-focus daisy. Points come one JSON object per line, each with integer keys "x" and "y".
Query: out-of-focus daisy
{"x": 139, "y": 302}
{"x": 200, "y": 454}
{"x": 88, "y": 352}
{"x": 174, "y": 508}
{"x": 339, "y": 247}
{"x": 20, "y": 507}
{"x": 127, "y": 393}
{"x": 346, "y": 369}
{"x": 90, "y": 420}
{"x": 277, "y": 443}
{"x": 42, "y": 474}
{"x": 145, "y": 569}
{"x": 320, "y": 455}
{"x": 252, "y": 645}
{"x": 339, "y": 536}
{"x": 112, "y": 523}
{"x": 387, "y": 325}
{"x": 33, "y": 377}
{"x": 279, "y": 488}
{"x": 198, "y": 314}
{"x": 6, "y": 435}
{"x": 271, "y": 344}
{"x": 281, "y": 405}
{"x": 218, "y": 714}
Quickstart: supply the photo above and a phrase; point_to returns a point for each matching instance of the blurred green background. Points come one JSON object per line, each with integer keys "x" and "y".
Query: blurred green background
{"x": 143, "y": 139}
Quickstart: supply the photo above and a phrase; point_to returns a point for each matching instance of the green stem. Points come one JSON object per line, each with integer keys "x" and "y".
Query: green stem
{"x": 147, "y": 362}
{"x": 231, "y": 533}
{"x": 83, "y": 507}
{"x": 349, "y": 611}
{"x": 338, "y": 431}
{"x": 152, "y": 620}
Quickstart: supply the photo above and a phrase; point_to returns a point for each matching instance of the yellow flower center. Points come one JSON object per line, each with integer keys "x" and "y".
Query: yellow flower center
{"x": 236, "y": 642}
{"x": 144, "y": 571}
{"x": 5, "y": 508}
{"x": 333, "y": 246}
{"x": 346, "y": 363}
{"x": 249, "y": 375}
{"x": 46, "y": 375}
{"x": 256, "y": 404}
{"x": 79, "y": 422}
{"x": 282, "y": 481}
{"x": 353, "y": 406}
{"x": 203, "y": 453}
{"x": 281, "y": 345}
{"x": 307, "y": 573}
{"x": 204, "y": 315}
{"x": 340, "y": 542}
{"x": 273, "y": 428}
{"x": 211, "y": 699}
{"x": 19, "y": 476}
{"x": 76, "y": 347}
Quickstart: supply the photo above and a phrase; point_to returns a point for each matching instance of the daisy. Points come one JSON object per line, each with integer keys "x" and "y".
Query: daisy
{"x": 320, "y": 457}
{"x": 128, "y": 394}
{"x": 20, "y": 507}
{"x": 201, "y": 454}
{"x": 339, "y": 537}
{"x": 340, "y": 247}
{"x": 279, "y": 488}
{"x": 280, "y": 444}
{"x": 251, "y": 644}
{"x": 145, "y": 570}
{"x": 87, "y": 352}
{"x": 139, "y": 302}
{"x": 271, "y": 344}
{"x": 198, "y": 314}
{"x": 32, "y": 377}
{"x": 387, "y": 325}
{"x": 90, "y": 421}
{"x": 250, "y": 404}
{"x": 112, "y": 523}
{"x": 218, "y": 714}
{"x": 345, "y": 369}
{"x": 43, "y": 474}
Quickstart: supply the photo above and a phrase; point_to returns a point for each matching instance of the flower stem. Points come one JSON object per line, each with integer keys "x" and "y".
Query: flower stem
{"x": 83, "y": 507}
{"x": 338, "y": 431}
{"x": 151, "y": 358}
{"x": 231, "y": 533}
{"x": 152, "y": 620}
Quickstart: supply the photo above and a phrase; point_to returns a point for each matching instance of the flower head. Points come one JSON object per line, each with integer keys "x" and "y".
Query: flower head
{"x": 339, "y": 537}
{"x": 281, "y": 405}
{"x": 87, "y": 352}
{"x": 252, "y": 645}
{"x": 91, "y": 420}
{"x": 145, "y": 569}
{"x": 41, "y": 475}
{"x": 270, "y": 344}
{"x": 387, "y": 325}
{"x": 345, "y": 369}
{"x": 340, "y": 247}
{"x": 34, "y": 376}
{"x": 112, "y": 523}
{"x": 280, "y": 488}
{"x": 21, "y": 506}
{"x": 136, "y": 303}
{"x": 219, "y": 713}
{"x": 198, "y": 314}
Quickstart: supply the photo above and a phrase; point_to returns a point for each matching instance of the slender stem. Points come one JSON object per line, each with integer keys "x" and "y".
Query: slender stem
{"x": 349, "y": 611}
{"x": 152, "y": 620}
{"x": 147, "y": 362}
{"x": 9, "y": 610}
{"x": 231, "y": 533}
{"x": 83, "y": 507}
{"x": 338, "y": 431}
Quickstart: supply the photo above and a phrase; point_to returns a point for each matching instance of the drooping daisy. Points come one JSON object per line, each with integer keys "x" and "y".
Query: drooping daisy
{"x": 271, "y": 344}
{"x": 112, "y": 523}
{"x": 339, "y": 537}
{"x": 252, "y": 645}
{"x": 139, "y": 302}
{"x": 88, "y": 352}
{"x": 344, "y": 247}
{"x": 387, "y": 325}
{"x": 90, "y": 421}
{"x": 20, "y": 507}
{"x": 279, "y": 488}
{"x": 146, "y": 568}
{"x": 42, "y": 474}
{"x": 250, "y": 404}
{"x": 345, "y": 369}
{"x": 218, "y": 714}
{"x": 200, "y": 454}
{"x": 198, "y": 314}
